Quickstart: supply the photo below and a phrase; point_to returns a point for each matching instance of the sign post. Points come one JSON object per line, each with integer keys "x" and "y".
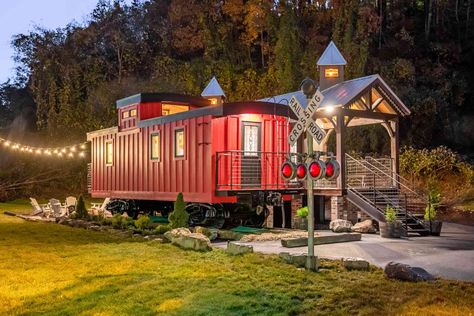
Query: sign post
{"x": 306, "y": 122}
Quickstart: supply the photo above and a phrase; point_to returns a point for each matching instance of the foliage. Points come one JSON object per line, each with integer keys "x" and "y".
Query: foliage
{"x": 454, "y": 176}
{"x": 81, "y": 211}
{"x": 122, "y": 222}
{"x": 390, "y": 214}
{"x": 179, "y": 217}
{"x": 143, "y": 222}
{"x": 302, "y": 212}
{"x": 433, "y": 201}
{"x": 145, "y": 278}
{"x": 163, "y": 228}
{"x": 68, "y": 79}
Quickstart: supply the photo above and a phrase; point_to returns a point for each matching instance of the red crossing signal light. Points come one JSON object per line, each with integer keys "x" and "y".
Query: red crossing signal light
{"x": 317, "y": 169}
{"x": 288, "y": 170}
{"x": 333, "y": 169}
{"x": 301, "y": 171}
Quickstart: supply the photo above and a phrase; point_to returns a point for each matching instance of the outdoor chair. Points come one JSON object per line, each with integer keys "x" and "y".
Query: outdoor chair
{"x": 70, "y": 204}
{"x": 58, "y": 209}
{"x": 97, "y": 208}
{"x": 40, "y": 209}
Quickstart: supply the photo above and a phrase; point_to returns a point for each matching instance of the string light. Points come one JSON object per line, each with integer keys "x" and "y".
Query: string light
{"x": 69, "y": 151}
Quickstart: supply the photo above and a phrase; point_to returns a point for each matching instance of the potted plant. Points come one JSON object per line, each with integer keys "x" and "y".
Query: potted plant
{"x": 431, "y": 211}
{"x": 392, "y": 227}
{"x": 301, "y": 218}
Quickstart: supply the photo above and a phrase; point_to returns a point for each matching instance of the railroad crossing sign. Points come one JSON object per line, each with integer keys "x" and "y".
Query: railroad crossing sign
{"x": 305, "y": 119}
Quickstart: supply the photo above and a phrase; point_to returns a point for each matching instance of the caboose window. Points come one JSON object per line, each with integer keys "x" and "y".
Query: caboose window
{"x": 109, "y": 153}
{"x": 179, "y": 142}
{"x": 125, "y": 114}
{"x": 155, "y": 146}
{"x": 133, "y": 112}
{"x": 251, "y": 139}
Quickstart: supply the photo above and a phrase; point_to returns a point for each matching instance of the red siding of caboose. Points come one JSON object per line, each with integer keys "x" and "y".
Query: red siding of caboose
{"x": 274, "y": 131}
{"x": 133, "y": 175}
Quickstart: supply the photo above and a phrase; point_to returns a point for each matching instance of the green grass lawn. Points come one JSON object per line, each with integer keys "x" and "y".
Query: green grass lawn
{"x": 58, "y": 270}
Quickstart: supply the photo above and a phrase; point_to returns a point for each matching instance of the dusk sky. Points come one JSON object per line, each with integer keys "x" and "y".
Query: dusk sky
{"x": 20, "y": 16}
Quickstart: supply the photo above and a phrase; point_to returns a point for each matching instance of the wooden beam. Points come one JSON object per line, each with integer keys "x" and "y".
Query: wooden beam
{"x": 340, "y": 150}
{"x": 376, "y": 103}
{"x": 394, "y": 150}
{"x": 356, "y": 113}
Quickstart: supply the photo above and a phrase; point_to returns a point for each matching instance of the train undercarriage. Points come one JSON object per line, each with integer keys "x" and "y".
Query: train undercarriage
{"x": 251, "y": 209}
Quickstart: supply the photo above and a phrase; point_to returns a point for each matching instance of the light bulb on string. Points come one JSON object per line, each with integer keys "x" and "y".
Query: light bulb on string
{"x": 82, "y": 154}
{"x": 83, "y": 146}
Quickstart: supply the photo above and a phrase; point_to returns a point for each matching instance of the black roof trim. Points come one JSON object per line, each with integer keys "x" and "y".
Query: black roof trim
{"x": 233, "y": 108}
{"x": 162, "y": 97}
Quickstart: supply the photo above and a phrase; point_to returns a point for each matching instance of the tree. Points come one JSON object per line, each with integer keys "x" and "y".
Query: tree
{"x": 287, "y": 51}
{"x": 179, "y": 217}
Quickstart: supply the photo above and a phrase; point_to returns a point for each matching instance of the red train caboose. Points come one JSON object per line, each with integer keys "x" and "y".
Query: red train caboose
{"x": 221, "y": 156}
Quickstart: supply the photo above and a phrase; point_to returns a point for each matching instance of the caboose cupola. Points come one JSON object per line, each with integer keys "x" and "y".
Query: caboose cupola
{"x": 331, "y": 67}
{"x": 213, "y": 92}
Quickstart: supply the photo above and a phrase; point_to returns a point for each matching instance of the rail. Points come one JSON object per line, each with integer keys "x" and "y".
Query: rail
{"x": 256, "y": 170}
{"x": 378, "y": 189}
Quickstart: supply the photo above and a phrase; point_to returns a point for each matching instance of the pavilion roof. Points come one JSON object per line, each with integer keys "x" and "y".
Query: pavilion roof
{"x": 346, "y": 92}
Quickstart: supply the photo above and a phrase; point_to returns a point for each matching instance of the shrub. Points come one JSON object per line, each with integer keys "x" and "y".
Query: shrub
{"x": 390, "y": 214}
{"x": 454, "y": 177}
{"x": 117, "y": 221}
{"x": 143, "y": 222}
{"x": 81, "y": 211}
{"x": 434, "y": 198}
{"x": 127, "y": 222}
{"x": 161, "y": 229}
{"x": 179, "y": 217}
{"x": 302, "y": 212}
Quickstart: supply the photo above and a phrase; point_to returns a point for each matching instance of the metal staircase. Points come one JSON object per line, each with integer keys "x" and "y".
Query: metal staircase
{"x": 371, "y": 186}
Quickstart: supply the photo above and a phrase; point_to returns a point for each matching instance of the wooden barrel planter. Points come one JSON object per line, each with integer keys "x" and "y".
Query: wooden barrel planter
{"x": 390, "y": 230}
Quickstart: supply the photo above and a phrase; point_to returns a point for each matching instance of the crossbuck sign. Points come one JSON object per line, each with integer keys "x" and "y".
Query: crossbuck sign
{"x": 305, "y": 119}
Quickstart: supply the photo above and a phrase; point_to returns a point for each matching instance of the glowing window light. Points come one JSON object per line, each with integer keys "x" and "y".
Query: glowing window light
{"x": 331, "y": 73}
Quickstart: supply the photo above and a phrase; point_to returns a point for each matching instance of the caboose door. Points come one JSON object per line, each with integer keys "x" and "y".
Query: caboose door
{"x": 251, "y": 163}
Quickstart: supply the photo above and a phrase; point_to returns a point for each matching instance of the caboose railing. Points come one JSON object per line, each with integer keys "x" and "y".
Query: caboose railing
{"x": 244, "y": 170}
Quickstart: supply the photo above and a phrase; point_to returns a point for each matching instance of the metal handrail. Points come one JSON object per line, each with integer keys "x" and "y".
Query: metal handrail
{"x": 391, "y": 177}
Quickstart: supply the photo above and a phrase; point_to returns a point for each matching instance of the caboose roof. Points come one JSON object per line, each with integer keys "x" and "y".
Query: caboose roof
{"x": 163, "y": 97}
{"x": 231, "y": 108}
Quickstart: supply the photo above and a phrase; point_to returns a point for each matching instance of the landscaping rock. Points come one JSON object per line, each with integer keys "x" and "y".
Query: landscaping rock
{"x": 405, "y": 272}
{"x": 183, "y": 238}
{"x": 365, "y": 227}
{"x": 229, "y": 235}
{"x": 340, "y": 226}
{"x": 210, "y": 233}
{"x": 298, "y": 259}
{"x": 320, "y": 240}
{"x": 355, "y": 264}
{"x": 236, "y": 249}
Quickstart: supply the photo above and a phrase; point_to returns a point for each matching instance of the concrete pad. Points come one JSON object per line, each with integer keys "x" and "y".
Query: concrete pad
{"x": 450, "y": 256}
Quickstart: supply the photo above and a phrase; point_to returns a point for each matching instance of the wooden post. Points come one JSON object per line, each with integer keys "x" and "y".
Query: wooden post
{"x": 394, "y": 150}
{"x": 340, "y": 150}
